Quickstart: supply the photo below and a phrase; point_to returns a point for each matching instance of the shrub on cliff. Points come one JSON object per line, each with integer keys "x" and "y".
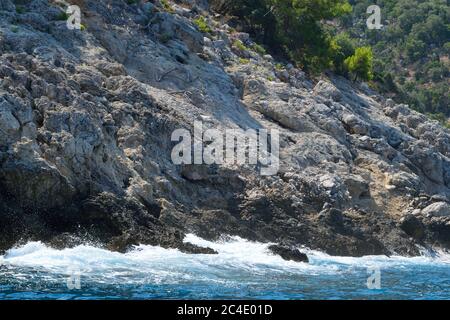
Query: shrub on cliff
{"x": 360, "y": 64}
{"x": 290, "y": 27}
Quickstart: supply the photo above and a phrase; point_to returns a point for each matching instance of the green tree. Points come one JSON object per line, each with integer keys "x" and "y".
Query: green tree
{"x": 415, "y": 49}
{"x": 294, "y": 28}
{"x": 342, "y": 47}
{"x": 360, "y": 65}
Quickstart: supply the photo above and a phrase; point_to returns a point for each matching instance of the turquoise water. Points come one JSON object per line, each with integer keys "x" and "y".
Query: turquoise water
{"x": 242, "y": 270}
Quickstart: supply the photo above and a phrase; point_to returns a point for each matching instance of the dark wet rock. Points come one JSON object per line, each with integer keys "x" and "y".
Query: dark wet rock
{"x": 413, "y": 227}
{"x": 439, "y": 231}
{"x": 289, "y": 253}
{"x": 194, "y": 249}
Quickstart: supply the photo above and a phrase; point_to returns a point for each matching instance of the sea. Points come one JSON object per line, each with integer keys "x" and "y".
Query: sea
{"x": 242, "y": 270}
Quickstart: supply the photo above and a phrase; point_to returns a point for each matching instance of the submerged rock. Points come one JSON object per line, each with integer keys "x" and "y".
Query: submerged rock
{"x": 288, "y": 253}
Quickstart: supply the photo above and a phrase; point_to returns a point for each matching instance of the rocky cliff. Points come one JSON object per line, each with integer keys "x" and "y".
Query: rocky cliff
{"x": 86, "y": 118}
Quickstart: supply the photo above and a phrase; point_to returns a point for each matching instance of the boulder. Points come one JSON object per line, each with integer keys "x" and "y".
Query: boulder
{"x": 288, "y": 253}
{"x": 426, "y": 158}
{"x": 357, "y": 186}
{"x": 173, "y": 26}
{"x": 413, "y": 227}
{"x": 437, "y": 209}
{"x": 355, "y": 125}
{"x": 32, "y": 181}
{"x": 403, "y": 181}
{"x": 327, "y": 90}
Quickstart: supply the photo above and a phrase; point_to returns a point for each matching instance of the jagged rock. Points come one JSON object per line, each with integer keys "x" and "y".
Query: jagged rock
{"x": 31, "y": 180}
{"x": 428, "y": 160}
{"x": 86, "y": 119}
{"x": 439, "y": 228}
{"x": 289, "y": 253}
{"x": 194, "y": 249}
{"x": 390, "y": 103}
{"x": 403, "y": 181}
{"x": 413, "y": 227}
{"x": 7, "y": 5}
{"x": 9, "y": 127}
{"x": 438, "y": 209}
{"x": 172, "y": 26}
{"x": 440, "y": 198}
{"x": 327, "y": 90}
{"x": 357, "y": 186}
{"x": 355, "y": 125}
{"x": 195, "y": 172}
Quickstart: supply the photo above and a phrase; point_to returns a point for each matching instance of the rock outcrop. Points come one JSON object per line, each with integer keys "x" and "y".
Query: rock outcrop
{"x": 289, "y": 253}
{"x": 86, "y": 118}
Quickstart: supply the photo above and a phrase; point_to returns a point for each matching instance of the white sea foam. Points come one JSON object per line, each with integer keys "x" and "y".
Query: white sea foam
{"x": 237, "y": 258}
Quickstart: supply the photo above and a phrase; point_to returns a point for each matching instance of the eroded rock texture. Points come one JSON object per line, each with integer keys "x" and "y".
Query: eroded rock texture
{"x": 86, "y": 118}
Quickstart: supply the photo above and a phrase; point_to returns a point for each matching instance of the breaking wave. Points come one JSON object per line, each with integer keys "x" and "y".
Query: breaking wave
{"x": 242, "y": 269}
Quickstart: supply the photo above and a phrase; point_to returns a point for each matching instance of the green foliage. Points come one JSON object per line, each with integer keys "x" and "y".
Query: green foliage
{"x": 447, "y": 48}
{"x": 415, "y": 49}
{"x": 342, "y": 47}
{"x": 202, "y": 25}
{"x": 167, "y": 7}
{"x": 20, "y": 9}
{"x": 412, "y": 51}
{"x": 279, "y": 67}
{"x": 361, "y": 63}
{"x": 62, "y": 16}
{"x": 293, "y": 28}
{"x": 240, "y": 45}
{"x": 259, "y": 49}
{"x": 244, "y": 61}
{"x": 410, "y": 58}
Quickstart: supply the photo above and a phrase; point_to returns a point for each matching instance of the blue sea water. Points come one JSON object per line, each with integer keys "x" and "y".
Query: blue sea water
{"x": 241, "y": 270}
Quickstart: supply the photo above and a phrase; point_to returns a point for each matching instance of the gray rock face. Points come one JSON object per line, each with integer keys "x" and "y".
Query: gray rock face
{"x": 7, "y": 5}
{"x": 438, "y": 209}
{"x": 86, "y": 118}
{"x": 327, "y": 90}
{"x": 413, "y": 227}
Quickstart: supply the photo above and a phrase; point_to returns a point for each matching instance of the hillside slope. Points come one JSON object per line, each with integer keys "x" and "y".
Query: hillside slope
{"x": 86, "y": 118}
{"x": 411, "y": 50}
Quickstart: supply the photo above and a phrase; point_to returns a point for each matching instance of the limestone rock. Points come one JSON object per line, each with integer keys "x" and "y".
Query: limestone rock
{"x": 438, "y": 209}
{"x": 327, "y": 90}
{"x": 87, "y": 117}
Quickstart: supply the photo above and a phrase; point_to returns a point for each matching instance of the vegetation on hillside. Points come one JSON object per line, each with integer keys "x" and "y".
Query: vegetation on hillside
{"x": 411, "y": 51}
{"x": 294, "y": 28}
{"x": 407, "y": 58}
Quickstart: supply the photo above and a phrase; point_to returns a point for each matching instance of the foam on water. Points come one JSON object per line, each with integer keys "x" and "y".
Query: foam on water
{"x": 234, "y": 253}
{"x": 239, "y": 262}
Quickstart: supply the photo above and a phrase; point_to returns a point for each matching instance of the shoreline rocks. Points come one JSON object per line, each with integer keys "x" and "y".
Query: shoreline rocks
{"x": 288, "y": 253}
{"x": 86, "y": 118}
